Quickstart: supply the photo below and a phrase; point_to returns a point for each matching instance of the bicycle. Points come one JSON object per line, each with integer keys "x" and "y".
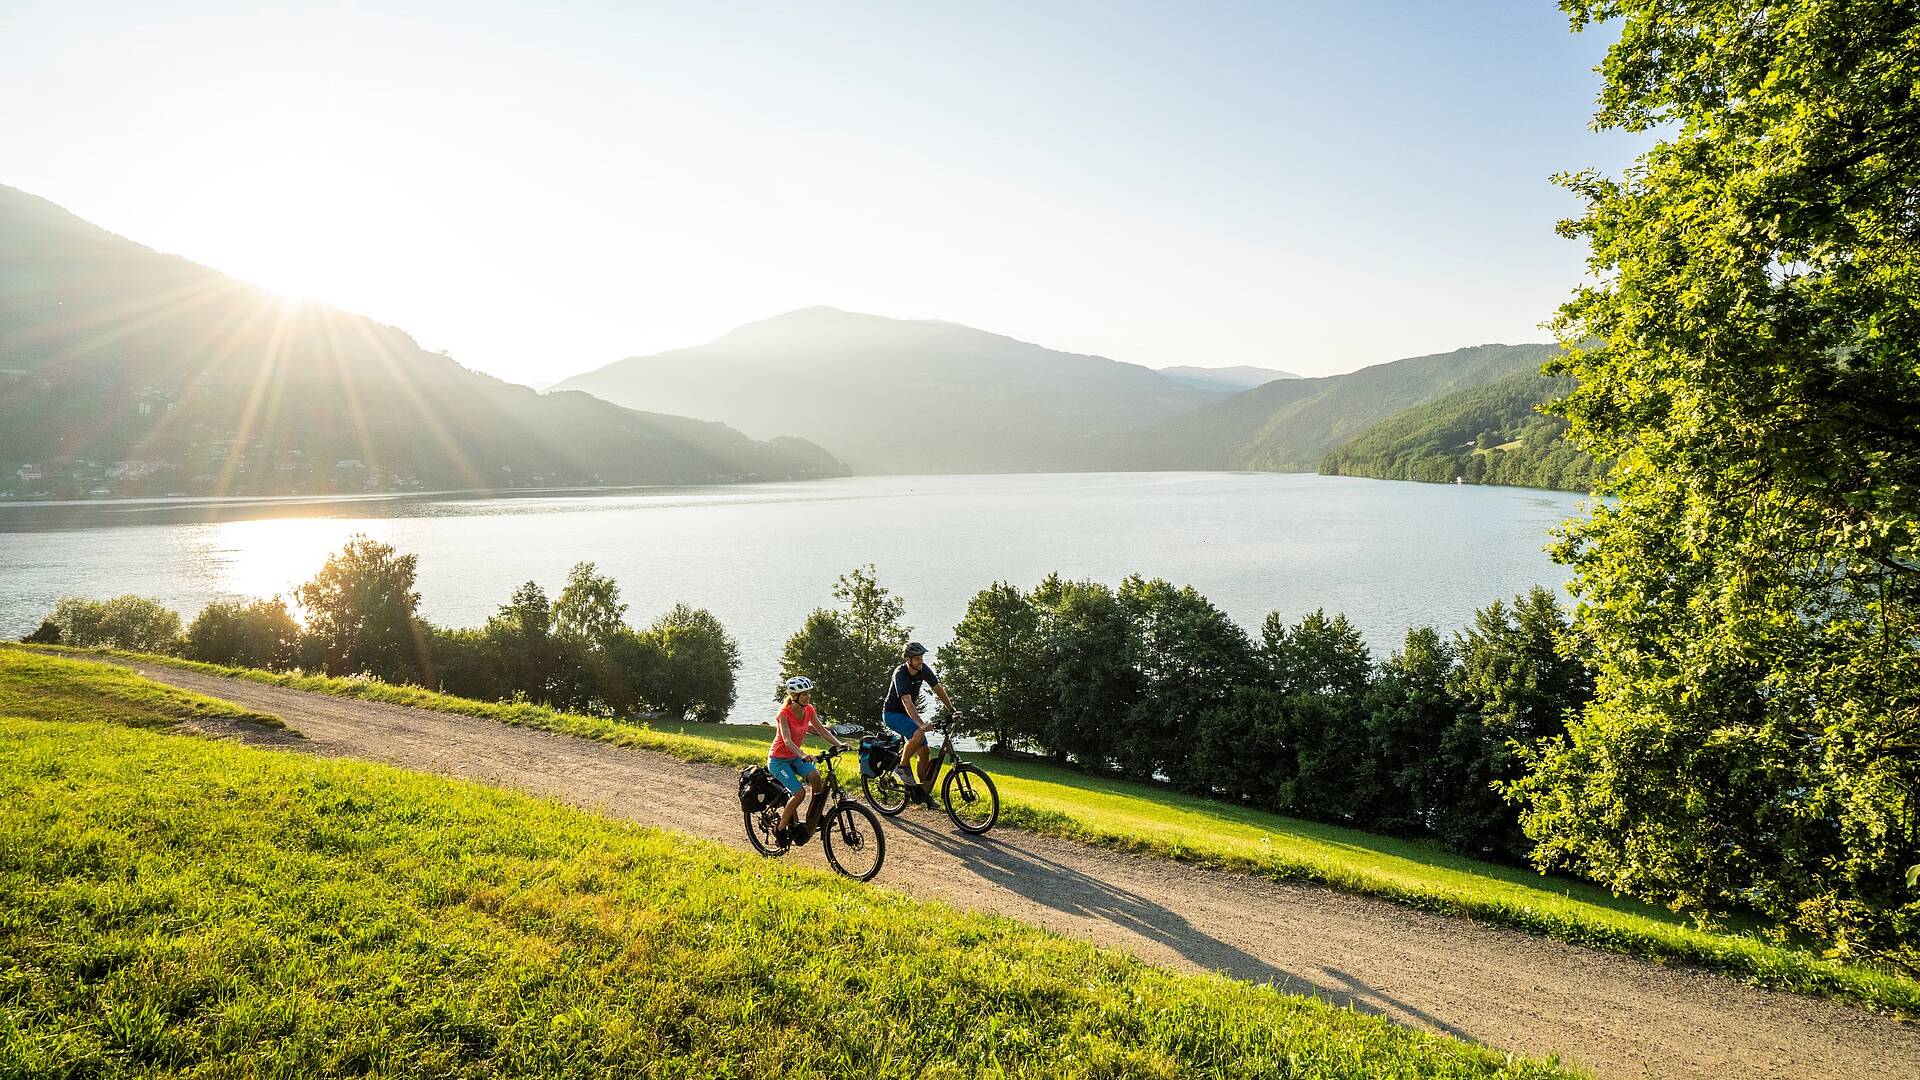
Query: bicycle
{"x": 849, "y": 832}
{"x": 967, "y": 792}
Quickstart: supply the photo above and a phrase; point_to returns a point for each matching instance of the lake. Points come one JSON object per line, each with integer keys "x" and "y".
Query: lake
{"x": 1390, "y": 555}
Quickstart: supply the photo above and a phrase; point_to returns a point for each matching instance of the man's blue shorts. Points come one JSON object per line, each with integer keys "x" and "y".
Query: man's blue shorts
{"x": 900, "y": 724}
{"x": 789, "y": 771}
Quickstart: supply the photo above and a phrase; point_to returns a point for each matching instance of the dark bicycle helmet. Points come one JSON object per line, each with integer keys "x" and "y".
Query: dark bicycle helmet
{"x": 914, "y": 648}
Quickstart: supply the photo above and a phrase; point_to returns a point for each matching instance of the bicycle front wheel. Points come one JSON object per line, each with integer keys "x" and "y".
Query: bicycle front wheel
{"x": 855, "y": 845}
{"x": 971, "y": 799}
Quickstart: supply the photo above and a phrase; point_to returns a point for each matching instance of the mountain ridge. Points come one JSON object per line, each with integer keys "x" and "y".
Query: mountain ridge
{"x": 132, "y": 371}
{"x": 900, "y": 395}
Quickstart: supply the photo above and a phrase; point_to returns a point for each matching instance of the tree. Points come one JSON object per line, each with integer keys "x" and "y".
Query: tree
{"x": 1086, "y": 643}
{"x": 124, "y": 622}
{"x": 1409, "y": 714}
{"x": 360, "y": 613}
{"x": 850, "y": 653}
{"x": 1751, "y": 591}
{"x": 1318, "y": 672}
{"x": 244, "y": 633}
{"x": 1189, "y": 657}
{"x": 697, "y": 659}
{"x": 531, "y": 659}
{"x": 588, "y": 610}
{"x": 994, "y": 668}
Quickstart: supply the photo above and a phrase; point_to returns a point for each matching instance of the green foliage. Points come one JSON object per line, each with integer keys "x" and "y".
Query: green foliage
{"x": 995, "y": 664}
{"x": 1090, "y": 682}
{"x": 124, "y": 622}
{"x": 1291, "y": 425}
{"x": 245, "y": 633}
{"x": 588, "y": 610}
{"x": 849, "y": 653}
{"x": 1751, "y": 590}
{"x": 47, "y": 633}
{"x": 360, "y": 613}
{"x": 1492, "y": 434}
{"x": 694, "y": 678}
{"x": 1187, "y": 657}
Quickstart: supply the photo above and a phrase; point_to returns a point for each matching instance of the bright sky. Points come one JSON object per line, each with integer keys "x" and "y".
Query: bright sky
{"x": 542, "y": 189}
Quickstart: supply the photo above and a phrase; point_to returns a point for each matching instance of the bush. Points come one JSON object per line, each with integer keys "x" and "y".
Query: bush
{"x": 125, "y": 622}
{"x": 257, "y": 633}
{"x": 48, "y": 633}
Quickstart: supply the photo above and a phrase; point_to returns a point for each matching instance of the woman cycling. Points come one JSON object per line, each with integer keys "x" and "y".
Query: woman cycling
{"x": 792, "y": 765}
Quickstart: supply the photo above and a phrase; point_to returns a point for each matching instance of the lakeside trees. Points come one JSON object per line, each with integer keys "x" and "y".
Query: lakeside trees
{"x": 361, "y": 614}
{"x": 1153, "y": 681}
{"x": 1750, "y": 593}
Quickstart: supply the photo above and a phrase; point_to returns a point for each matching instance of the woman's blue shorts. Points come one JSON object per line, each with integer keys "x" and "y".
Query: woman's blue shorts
{"x": 789, "y": 771}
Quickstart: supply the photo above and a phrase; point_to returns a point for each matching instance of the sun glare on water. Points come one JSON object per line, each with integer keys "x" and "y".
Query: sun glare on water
{"x": 274, "y": 556}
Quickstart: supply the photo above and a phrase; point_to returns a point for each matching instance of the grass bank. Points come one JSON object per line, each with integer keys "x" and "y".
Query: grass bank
{"x": 172, "y": 904}
{"x": 1155, "y": 820}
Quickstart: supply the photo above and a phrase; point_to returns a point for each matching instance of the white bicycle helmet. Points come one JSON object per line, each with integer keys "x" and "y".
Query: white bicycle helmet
{"x": 799, "y": 684}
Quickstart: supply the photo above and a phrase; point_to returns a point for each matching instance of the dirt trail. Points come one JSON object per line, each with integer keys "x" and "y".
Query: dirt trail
{"x": 1615, "y": 1015}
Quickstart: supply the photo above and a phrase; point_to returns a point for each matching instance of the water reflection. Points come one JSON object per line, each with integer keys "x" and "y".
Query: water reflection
{"x": 1390, "y": 555}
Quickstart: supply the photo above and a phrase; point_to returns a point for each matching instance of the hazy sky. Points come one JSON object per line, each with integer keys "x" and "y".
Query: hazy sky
{"x": 542, "y": 189}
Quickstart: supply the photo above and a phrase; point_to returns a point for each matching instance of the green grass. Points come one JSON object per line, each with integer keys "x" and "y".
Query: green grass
{"x": 40, "y": 686}
{"x": 172, "y": 905}
{"x": 1151, "y": 819}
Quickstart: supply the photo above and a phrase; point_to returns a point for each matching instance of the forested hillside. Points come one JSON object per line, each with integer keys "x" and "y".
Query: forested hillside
{"x": 1493, "y": 434}
{"x": 1291, "y": 425}
{"x": 126, "y": 371}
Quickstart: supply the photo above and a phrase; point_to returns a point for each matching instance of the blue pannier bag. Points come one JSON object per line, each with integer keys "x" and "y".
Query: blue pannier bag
{"x": 879, "y": 754}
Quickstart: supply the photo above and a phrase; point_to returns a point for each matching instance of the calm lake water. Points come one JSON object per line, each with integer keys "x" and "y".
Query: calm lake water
{"x": 1390, "y": 555}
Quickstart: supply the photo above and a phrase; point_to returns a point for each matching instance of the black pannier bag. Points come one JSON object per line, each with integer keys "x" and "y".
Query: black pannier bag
{"x": 879, "y": 754}
{"x": 759, "y": 790}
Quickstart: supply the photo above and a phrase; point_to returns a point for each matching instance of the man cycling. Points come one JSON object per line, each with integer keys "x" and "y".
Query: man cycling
{"x": 900, "y": 711}
{"x": 790, "y": 763}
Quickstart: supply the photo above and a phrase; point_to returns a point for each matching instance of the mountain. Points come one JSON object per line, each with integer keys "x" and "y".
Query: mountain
{"x": 1290, "y": 425}
{"x": 1230, "y": 379}
{"x": 898, "y": 395}
{"x": 141, "y": 372}
{"x": 1492, "y": 434}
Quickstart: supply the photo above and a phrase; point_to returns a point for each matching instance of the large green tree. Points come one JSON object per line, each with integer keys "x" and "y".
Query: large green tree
{"x": 1751, "y": 592}
{"x": 849, "y": 651}
{"x": 360, "y": 613}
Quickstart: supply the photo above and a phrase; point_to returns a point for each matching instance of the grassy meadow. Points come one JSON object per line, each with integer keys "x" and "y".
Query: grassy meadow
{"x": 178, "y": 905}
{"x": 1153, "y": 819}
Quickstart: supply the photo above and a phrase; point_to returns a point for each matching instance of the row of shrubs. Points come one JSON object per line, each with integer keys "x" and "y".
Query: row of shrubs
{"x": 574, "y": 652}
{"x": 1152, "y": 681}
{"x": 1146, "y": 680}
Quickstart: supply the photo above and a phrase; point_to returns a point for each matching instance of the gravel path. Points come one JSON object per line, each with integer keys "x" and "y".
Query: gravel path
{"x": 1615, "y": 1015}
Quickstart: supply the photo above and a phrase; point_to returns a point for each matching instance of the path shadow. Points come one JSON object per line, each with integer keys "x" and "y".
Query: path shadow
{"x": 1076, "y": 893}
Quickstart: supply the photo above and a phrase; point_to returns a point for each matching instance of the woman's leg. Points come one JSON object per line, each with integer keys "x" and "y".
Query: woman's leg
{"x": 813, "y": 789}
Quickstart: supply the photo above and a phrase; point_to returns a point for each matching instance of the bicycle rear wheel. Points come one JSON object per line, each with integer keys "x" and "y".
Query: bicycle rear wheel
{"x": 971, "y": 799}
{"x": 884, "y": 793}
{"x": 855, "y": 845}
{"x": 760, "y": 826}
